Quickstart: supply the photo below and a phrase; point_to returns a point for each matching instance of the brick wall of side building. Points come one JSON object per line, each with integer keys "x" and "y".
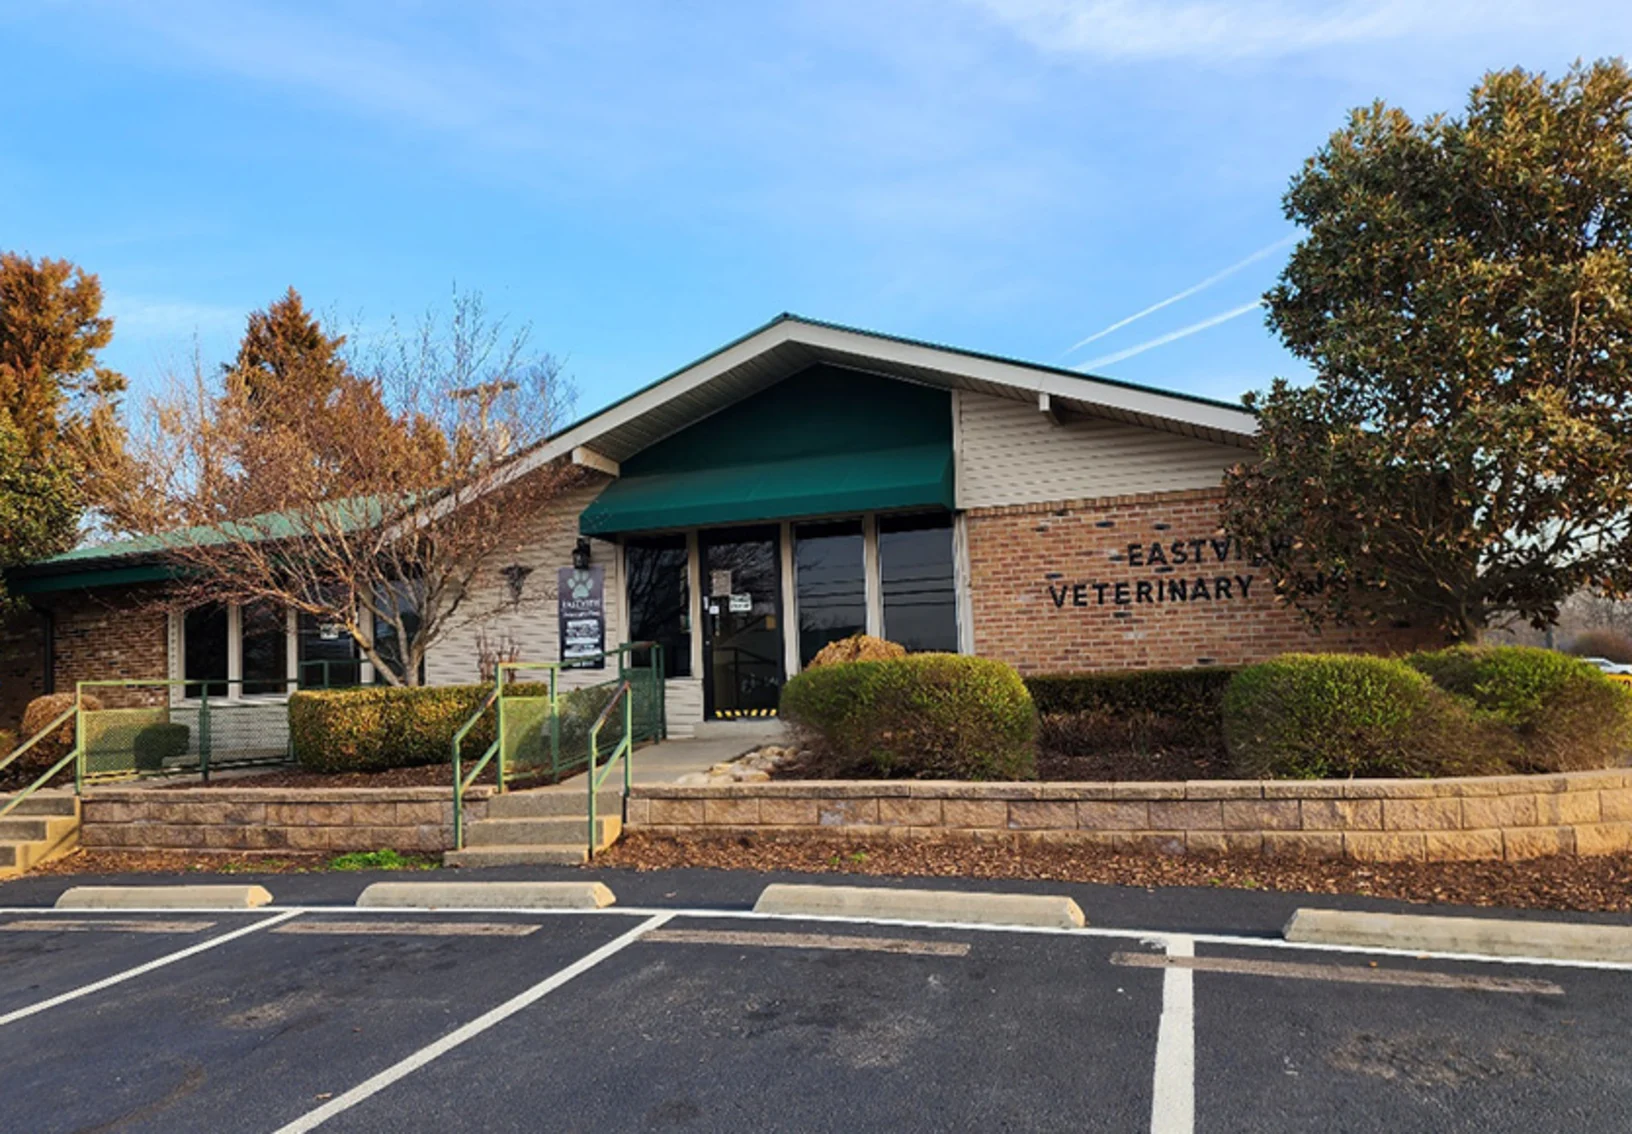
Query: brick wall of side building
{"x": 100, "y": 635}
{"x": 22, "y": 665}
{"x": 109, "y": 635}
{"x": 1148, "y": 581}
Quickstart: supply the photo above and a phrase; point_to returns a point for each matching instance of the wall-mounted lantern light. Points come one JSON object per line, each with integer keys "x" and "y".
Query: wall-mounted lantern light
{"x": 581, "y": 554}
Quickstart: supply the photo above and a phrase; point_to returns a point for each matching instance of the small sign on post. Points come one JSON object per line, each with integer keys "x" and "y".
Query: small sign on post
{"x": 581, "y": 609}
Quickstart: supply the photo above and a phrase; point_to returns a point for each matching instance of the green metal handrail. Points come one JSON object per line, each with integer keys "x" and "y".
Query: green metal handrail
{"x": 460, "y": 782}
{"x": 625, "y": 748}
{"x": 72, "y": 756}
{"x": 506, "y": 674}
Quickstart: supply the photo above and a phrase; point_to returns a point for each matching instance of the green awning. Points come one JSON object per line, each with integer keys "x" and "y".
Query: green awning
{"x": 917, "y": 476}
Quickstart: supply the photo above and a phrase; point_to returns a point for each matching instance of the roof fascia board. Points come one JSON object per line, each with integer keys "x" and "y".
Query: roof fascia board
{"x": 643, "y": 401}
{"x": 1149, "y": 403}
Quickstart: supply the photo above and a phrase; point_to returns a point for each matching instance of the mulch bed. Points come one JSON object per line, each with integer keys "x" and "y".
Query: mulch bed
{"x": 1138, "y": 767}
{"x": 428, "y": 775}
{"x": 1577, "y": 884}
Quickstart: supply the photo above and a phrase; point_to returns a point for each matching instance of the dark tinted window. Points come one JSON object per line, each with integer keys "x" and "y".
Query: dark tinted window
{"x": 915, "y": 570}
{"x": 265, "y": 631}
{"x": 327, "y": 656}
{"x": 831, "y": 584}
{"x": 403, "y": 598}
{"x": 204, "y": 650}
{"x": 659, "y": 600}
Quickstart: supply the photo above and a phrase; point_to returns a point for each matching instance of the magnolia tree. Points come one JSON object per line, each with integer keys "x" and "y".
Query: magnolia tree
{"x": 1463, "y": 293}
{"x": 373, "y": 489}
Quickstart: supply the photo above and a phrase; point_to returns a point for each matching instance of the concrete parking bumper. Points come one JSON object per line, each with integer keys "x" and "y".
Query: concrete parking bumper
{"x": 954, "y": 907}
{"x": 1562, "y": 941}
{"x": 487, "y": 895}
{"x": 163, "y": 898}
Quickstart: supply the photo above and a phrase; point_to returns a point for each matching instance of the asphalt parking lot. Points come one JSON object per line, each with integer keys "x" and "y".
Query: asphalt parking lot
{"x": 687, "y": 1012}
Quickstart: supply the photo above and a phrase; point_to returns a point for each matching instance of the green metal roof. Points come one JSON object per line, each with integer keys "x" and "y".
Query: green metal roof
{"x": 139, "y": 559}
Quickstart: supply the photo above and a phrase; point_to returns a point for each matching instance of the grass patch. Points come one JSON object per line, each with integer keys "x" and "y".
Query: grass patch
{"x": 379, "y": 860}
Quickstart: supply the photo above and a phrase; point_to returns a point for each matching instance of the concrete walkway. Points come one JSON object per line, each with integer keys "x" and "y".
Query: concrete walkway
{"x": 715, "y": 742}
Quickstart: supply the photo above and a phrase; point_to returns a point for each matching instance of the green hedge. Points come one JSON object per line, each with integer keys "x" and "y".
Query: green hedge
{"x": 155, "y": 743}
{"x": 373, "y": 728}
{"x": 1552, "y": 712}
{"x": 1318, "y": 716}
{"x": 926, "y": 716}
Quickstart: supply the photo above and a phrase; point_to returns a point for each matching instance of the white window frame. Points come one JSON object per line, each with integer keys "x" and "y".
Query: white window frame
{"x": 235, "y": 659}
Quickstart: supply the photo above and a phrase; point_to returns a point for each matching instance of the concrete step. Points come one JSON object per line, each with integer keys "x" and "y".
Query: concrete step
{"x": 532, "y": 832}
{"x": 43, "y": 803}
{"x": 551, "y": 803}
{"x": 556, "y": 854}
{"x": 59, "y": 836}
{"x": 23, "y": 830}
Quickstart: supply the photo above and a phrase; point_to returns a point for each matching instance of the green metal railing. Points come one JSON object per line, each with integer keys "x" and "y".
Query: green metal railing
{"x": 72, "y": 755}
{"x": 541, "y": 729}
{"x": 461, "y": 782}
{"x": 157, "y": 733}
{"x": 625, "y": 748}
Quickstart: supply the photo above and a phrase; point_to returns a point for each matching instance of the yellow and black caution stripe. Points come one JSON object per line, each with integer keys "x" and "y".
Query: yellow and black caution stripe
{"x": 739, "y": 714}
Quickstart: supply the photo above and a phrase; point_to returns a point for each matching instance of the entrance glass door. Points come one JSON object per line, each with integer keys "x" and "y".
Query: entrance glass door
{"x": 742, "y": 622}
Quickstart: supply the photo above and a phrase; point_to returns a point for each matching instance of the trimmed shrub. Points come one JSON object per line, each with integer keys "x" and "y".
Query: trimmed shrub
{"x": 40, "y": 712}
{"x": 156, "y": 743}
{"x": 1611, "y": 645}
{"x": 1562, "y": 714}
{"x": 1143, "y": 710}
{"x": 1316, "y": 716}
{"x": 928, "y": 716}
{"x": 374, "y": 728}
{"x": 857, "y": 647}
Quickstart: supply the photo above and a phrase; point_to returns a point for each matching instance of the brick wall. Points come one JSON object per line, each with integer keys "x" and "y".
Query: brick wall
{"x": 1146, "y": 581}
{"x": 100, "y": 636}
{"x": 22, "y": 666}
{"x": 274, "y": 820}
{"x": 109, "y": 635}
{"x": 1485, "y": 817}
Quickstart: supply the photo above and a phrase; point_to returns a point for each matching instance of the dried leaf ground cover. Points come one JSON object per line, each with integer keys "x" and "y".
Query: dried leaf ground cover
{"x": 1579, "y": 884}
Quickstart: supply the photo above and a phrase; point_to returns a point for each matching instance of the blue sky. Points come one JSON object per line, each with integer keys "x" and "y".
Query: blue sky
{"x": 645, "y": 181}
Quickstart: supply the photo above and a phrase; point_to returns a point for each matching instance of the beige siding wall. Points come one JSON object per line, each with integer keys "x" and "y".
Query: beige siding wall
{"x": 1010, "y": 453}
{"x": 544, "y": 542}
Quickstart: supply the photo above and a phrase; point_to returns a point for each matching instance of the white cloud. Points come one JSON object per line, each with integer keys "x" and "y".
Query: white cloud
{"x": 1215, "y": 30}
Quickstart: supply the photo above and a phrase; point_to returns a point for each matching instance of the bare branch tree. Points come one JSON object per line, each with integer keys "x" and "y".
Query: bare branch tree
{"x": 368, "y": 488}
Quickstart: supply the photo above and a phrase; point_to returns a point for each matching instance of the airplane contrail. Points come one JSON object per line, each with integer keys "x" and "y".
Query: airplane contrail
{"x": 1181, "y": 333}
{"x": 1189, "y": 291}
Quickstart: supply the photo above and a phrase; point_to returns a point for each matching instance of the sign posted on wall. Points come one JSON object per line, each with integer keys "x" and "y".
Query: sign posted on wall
{"x": 581, "y": 603}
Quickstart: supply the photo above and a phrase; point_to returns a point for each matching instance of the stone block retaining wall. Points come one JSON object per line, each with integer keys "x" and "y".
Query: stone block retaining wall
{"x": 1491, "y": 817}
{"x": 274, "y": 820}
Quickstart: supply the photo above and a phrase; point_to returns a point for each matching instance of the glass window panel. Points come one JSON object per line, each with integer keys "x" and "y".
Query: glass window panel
{"x": 659, "y": 599}
{"x": 916, "y": 578}
{"x": 265, "y": 633}
{"x": 204, "y": 650}
{"x": 325, "y": 653}
{"x": 403, "y": 597}
{"x": 832, "y": 584}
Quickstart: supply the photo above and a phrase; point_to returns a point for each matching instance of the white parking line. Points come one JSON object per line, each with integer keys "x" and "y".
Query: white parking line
{"x": 369, "y": 1087}
{"x": 1173, "y": 1102}
{"x": 128, "y": 974}
{"x": 1150, "y": 936}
